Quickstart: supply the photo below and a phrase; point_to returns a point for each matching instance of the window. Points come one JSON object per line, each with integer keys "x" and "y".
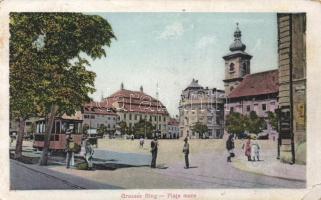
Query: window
{"x": 108, "y": 126}
{"x": 150, "y": 118}
{"x": 135, "y": 117}
{"x": 231, "y": 88}
{"x": 164, "y": 119}
{"x": 124, "y": 116}
{"x": 248, "y": 108}
{"x": 264, "y": 107}
{"x": 108, "y": 118}
{"x": 130, "y": 116}
{"x": 244, "y": 68}
{"x": 155, "y": 118}
{"x": 92, "y": 116}
{"x": 231, "y": 67}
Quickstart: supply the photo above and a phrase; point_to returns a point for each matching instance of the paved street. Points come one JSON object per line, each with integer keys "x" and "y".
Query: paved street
{"x": 34, "y": 177}
{"x": 122, "y": 164}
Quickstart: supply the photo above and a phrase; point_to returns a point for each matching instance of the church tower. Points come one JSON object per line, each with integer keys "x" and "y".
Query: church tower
{"x": 237, "y": 63}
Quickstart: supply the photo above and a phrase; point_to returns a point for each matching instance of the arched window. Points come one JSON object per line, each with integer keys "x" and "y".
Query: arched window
{"x": 231, "y": 88}
{"x": 232, "y": 67}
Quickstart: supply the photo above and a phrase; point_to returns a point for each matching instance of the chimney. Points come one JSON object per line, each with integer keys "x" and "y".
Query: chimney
{"x": 122, "y": 86}
{"x": 141, "y": 89}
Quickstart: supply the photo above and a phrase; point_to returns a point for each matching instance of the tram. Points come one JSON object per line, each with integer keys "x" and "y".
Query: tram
{"x": 62, "y": 126}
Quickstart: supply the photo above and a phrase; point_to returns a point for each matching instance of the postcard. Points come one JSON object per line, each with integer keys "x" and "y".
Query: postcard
{"x": 173, "y": 100}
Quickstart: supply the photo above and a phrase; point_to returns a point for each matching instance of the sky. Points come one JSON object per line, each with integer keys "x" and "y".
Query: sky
{"x": 170, "y": 49}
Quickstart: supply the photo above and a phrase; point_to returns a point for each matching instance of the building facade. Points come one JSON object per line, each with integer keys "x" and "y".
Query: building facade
{"x": 248, "y": 92}
{"x": 292, "y": 97}
{"x": 133, "y": 106}
{"x": 95, "y": 116}
{"x": 204, "y": 105}
{"x": 172, "y": 129}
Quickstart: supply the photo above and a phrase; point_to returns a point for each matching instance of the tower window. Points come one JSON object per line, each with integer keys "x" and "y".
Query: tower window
{"x": 232, "y": 67}
{"x": 231, "y": 88}
{"x": 244, "y": 68}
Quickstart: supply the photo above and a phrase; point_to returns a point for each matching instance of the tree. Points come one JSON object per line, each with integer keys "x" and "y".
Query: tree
{"x": 142, "y": 128}
{"x": 235, "y": 123}
{"x": 123, "y": 127}
{"x": 273, "y": 119}
{"x": 102, "y": 130}
{"x": 47, "y": 56}
{"x": 199, "y": 128}
{"x": 255, "y": 124}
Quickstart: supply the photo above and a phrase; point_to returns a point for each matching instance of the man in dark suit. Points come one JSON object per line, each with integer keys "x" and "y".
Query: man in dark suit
{"x": 154, "y": 149}
{"x": 186, "y": 152}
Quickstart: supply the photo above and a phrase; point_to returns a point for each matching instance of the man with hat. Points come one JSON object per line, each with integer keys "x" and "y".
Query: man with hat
{"x": 186, "y": 152}
{"x": 154, "y": 149}
{"x": 69, "y": 148}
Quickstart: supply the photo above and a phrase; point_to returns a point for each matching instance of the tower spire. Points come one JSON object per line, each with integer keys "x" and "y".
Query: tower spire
{"x": 237, "y": 45}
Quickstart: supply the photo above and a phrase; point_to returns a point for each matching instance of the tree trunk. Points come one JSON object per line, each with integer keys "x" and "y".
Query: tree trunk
{"x": 52, "y": 114}
{"x": 18, "y": 151}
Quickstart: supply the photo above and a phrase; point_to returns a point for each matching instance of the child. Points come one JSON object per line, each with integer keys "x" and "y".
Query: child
{"x": 255, "y": 150}
{"x": 247, "y": 148}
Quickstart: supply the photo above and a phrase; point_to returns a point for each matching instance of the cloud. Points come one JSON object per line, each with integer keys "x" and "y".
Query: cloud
{"x": 205, "y": 41}
{"x": 172, "y": 31}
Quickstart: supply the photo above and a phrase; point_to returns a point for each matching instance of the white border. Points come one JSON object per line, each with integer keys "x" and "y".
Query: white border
{"x": 313, "y": 10}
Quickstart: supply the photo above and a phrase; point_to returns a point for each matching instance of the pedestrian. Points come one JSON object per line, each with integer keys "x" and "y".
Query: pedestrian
{"x": 70, "y": 145}
{"x": 255, "y": 150}
{"x": 141, "y": 142}
{"x": 89, "y": 154}
{"x": 132, "y": 136}
{"x": 186, "y": 152}
{"x": 154, "y": 149}
{"x": 247, "y": 148}
{"x": 230, "y": 147}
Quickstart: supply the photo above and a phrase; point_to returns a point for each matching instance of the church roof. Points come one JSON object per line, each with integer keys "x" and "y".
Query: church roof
{"x": 134, "y": 101}
{"x": 261, "y": 83}
{"x": 194, "y": 85}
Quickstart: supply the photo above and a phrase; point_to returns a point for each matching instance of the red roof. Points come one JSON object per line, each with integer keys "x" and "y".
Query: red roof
{"x": 173, "y": 122}
{"x": 97, "y": 108}
{"x": 134, "y": 101}
{"x": 257, "y": 84}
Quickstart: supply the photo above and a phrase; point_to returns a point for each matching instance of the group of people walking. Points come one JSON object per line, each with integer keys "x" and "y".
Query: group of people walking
{"x": 251, "y": 149}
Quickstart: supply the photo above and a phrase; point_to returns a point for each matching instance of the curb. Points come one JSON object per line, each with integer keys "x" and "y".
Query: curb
{"x": 264, "y": 174}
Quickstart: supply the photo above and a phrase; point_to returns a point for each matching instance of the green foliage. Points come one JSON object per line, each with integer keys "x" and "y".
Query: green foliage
{"x": 200, "y": 128}
{"x": 273, "y": 119}
{"x": 142, "y": 126}
{"x": 235, "y": 123}
{"x": 123, "y": 127}
{"x": 52, "y": 70}
{"x": 254, "y": 124}
{"x": 102, "y": 130}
